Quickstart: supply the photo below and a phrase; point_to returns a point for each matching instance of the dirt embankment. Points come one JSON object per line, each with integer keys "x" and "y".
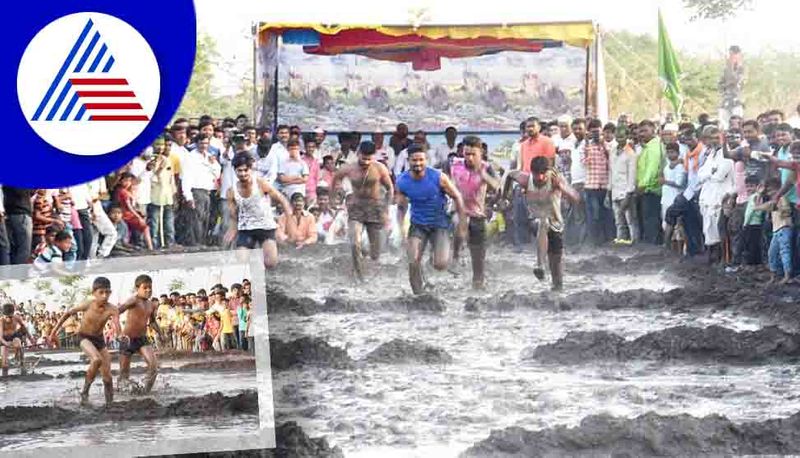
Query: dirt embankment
{"x": 647, "y": 435}
{"x": 14, "y": 420}
{"x": 713, "y": 343}
{"x": 279, "y": 302}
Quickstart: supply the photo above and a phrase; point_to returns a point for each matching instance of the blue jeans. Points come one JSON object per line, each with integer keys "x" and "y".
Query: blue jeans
{"x": 780, "y": 252}
{"x": 20, "y": 236}
{"x": 154, "y": 213}
{"x": 575, "y": 218}
{"x": 520, "y": 219}
{"x": 595, "y": 215}
{"x": 242, "y": 339}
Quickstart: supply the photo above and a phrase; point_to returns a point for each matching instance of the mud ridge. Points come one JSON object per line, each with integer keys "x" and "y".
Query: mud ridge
{"x": 647, "y": 435}
{"x": 312, "y": 351}
{"x": 400, "y": 351}
{"x": 602, "y": 300}
{"x": 714, "y": 343}
{"x": 279, "y": 302}
{"x": 14, "y": 420}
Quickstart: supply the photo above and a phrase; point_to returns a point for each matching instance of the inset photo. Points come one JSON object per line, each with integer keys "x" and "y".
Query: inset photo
{"x": 144, "y": 356}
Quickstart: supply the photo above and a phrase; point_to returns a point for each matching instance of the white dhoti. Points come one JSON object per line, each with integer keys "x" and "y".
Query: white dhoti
{"x": 711, "y": 215}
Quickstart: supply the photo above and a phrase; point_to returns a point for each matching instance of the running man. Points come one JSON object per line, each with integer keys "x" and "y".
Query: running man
{"x": 96, "y": 313}
{"x": 543, "y": 188}
{"x": 365, "y": 207}
{"x": 425, "y": 189}
{"x": 14, "y": 330}
{"x": 472, "y": 177}
{"x": 252, "y": 221}
{"x": 141, "y": 314}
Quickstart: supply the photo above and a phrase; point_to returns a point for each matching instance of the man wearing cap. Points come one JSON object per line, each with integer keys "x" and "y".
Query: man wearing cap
{"x": 323, "y": 149}
{"x": 669, "y": 133}
{"x": 366, "y": 208}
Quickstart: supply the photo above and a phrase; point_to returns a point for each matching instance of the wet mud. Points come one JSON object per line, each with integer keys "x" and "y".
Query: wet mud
{"x": 647, "y": 435}
{"x": 399, "y": 351}
{"x": 14, "y": 420}
{"x": 307, "y": 351}
{"x": 714, "y": 343}
{"x": 290, "y": 441}
{"x": 279, "y": 302}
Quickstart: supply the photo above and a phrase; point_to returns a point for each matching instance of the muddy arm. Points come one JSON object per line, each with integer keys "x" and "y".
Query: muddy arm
{"x": 73, "y": 311}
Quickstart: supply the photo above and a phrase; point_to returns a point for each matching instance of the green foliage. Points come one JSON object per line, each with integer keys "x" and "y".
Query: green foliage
{"x": 715, "y": 9}
{"x": 200, "y": 97}
{"x": 634, "y": 87}
{"x": 176, "y": 285}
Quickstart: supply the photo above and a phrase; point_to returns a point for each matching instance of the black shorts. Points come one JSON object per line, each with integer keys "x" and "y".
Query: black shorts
{"x": 98, "y": 341}
{"x": 476, "y": 231}
{"x": 135, "y": 345}
{"x": 555, "y": 242}
{"x": 17, "y": 335}
{"x": 254, "y": 238}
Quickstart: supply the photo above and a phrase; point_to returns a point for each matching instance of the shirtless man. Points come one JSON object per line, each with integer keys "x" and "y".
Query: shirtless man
{"x": 141, "y": 314}
{"x": 473, "y": 177}
{"x": 365, "y": 206}
{"x": 252, "y": 223}
{"x": 96, "y": 313}
{"x": 425, "y": 188}
{"x": 543, "y": 188}
{"x": 14, "y": 330}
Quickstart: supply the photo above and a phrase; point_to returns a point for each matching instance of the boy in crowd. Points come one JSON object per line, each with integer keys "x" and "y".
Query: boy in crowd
{"x": 14, "y": 330}
{"x": 122, "y": 246}
{"x": 673, "y": 182}
{"x": 53, "y": 255}
{"x": 780, "y": 248}
{"x": 749, "y": 246}
{"x": 96, "y": 313}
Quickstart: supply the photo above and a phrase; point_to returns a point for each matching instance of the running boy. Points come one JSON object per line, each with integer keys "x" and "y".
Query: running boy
{"x": 141, "y": 314}
{"x": 96, "y": 312}
{"x": 14, "y": 330}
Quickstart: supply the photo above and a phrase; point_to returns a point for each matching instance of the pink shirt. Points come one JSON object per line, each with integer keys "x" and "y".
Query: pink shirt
{"x": 313, "y": 176}
{"x": 470, "y": 184}
{"x": 739, "y": 176}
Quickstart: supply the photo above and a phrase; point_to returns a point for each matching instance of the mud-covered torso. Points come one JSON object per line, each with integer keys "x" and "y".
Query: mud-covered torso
{"x": 544, "y": 199}
{"x": 137, "y": 318}
{"x": 95, "y": 318}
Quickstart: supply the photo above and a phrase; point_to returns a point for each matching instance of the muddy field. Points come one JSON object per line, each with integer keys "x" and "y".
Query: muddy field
{"x": 641, "y": 356}
{"x": 195, "y": 394}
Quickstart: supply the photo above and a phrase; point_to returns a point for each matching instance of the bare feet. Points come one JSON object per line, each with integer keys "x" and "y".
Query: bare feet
{"x": 539, "y": 273}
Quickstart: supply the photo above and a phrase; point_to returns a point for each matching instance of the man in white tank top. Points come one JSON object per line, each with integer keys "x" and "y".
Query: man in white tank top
{"x": 252, "y": 219}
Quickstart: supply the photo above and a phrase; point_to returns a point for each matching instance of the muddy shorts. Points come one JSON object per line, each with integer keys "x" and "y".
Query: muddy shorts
{"x": 555, "y": 242}
{"x": 17, "y": 335}
{"x": 365, "y": 211}
{"x": 476, "y": 232}
{"x": 135, "y": 345}
{"x": 254, "y": 238}
{"x": 429, "y": 234}
{"x": 98, "y": 341}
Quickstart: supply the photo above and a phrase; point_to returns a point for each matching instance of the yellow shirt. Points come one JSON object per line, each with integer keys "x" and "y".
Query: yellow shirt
{"x": 162, "y": 315}
{"x": 227, "y": 322}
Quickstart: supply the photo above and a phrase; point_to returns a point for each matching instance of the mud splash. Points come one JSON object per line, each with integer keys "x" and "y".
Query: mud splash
{"x": 647, "y": 435}
{"x": 14, "y": 420}
{"x": 713, "y": 343}
{"x": 399, "y": 351}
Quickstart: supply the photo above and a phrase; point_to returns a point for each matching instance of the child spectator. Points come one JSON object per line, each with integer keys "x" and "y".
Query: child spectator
{"x": 228, "y": 339}
{"x": 53, "y": 255}
{"x": 749, "y": 248}
{"x": 243, "y": 313}
{"x": 780, "y": 249}
{"x": 130, "y": 212}
{"x": 250, "y": 337}
{"x": 122, "y": 245}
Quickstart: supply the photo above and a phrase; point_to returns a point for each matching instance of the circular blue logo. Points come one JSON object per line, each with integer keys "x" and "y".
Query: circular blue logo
{"x": 93, "y": 86}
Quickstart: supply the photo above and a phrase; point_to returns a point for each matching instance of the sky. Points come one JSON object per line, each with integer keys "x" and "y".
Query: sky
{"x": 768, "y": 24}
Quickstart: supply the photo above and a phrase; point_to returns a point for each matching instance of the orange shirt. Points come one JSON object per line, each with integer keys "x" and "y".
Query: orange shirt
{"x": 535, "y": 147}
{"x": 304, "y": 231}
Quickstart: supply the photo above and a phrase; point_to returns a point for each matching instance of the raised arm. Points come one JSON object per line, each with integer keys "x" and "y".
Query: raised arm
{"x": 568, "y": 191}
{"x": 71, "y": 312}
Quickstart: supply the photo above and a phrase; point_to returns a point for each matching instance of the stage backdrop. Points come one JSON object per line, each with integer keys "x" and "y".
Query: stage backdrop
{"x": 488, "y": 93}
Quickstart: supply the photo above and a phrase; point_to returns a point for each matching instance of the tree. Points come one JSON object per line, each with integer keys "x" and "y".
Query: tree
{"x": 176, "y": 284}
{"x": 716, "y": 9}
{"x": 200, "y": 96}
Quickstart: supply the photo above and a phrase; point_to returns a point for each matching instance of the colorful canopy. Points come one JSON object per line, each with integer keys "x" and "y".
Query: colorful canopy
{"x": 425, "y": 46}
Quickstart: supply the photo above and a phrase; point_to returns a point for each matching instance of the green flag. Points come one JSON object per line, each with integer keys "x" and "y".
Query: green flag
{"x": 668, "y": 69}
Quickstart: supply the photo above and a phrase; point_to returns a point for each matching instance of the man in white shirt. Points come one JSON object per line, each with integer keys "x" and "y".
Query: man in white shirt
{"x": 323, "y": 149}
{"x": 277, "y": 154}
{"x": 401, "y": 161}
{"x": 383, "y": 153}
{"x": 439, "y": 156}
{"x": 141, "y": 169}
{"x": 102, "y": 223}
{"x": 293, "y": 172}
{"x": 199, "y": 174}
{"x": 82, "y": 201}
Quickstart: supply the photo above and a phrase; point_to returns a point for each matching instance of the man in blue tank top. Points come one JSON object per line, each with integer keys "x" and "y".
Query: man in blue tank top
{"x": 425, "y": 189}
